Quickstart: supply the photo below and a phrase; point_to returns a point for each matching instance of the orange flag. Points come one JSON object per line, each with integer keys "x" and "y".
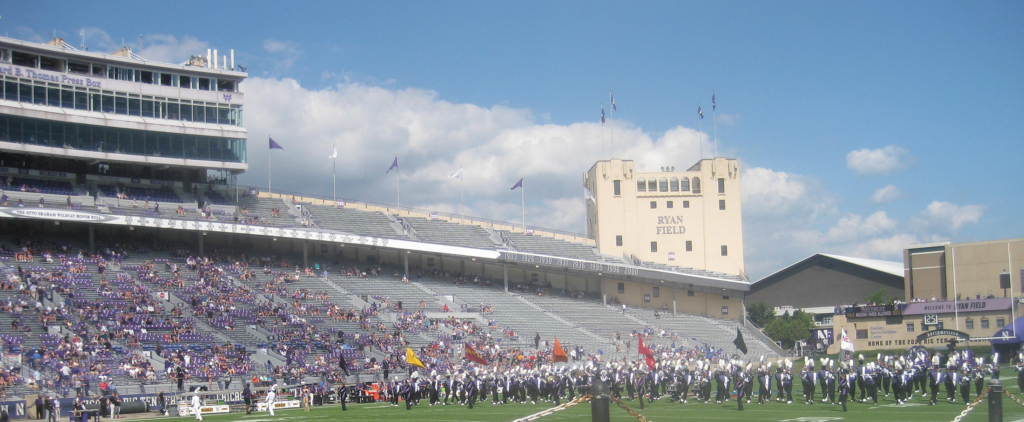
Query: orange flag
{"x": 558, "y": 355}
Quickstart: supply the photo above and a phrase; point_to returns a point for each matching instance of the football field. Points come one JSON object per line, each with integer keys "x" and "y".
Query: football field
{"x": 886, "y": 411}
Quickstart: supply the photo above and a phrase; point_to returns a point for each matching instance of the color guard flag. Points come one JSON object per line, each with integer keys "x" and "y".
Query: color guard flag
{"x": 740, "y": 345}
{"x": 558, "y": 354}
{"x": 519, "y": 184}
{"x": 473, "y": 355}
{"x": 394, "y": 165}
{"x": 643, "y": 350}
{"x": 411, "y": 358}
{"x": 275, "y": 145}
{"x": 845, "y": 343}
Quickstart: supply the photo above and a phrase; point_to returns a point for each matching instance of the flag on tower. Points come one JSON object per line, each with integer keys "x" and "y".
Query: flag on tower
{"x": 394, "y": 165}
{"x": 519, "y": 184}
{"x": 602, "y": 115}
{"x": 713, "y": 101}
{"x": 699, "y": 111}
{"x": 456, "y": 175}
{"x": 335, "y": 155}
{"x": 587, "y": 195}
{"x": 613, "y": 102}
{"x": 275, "y": 145}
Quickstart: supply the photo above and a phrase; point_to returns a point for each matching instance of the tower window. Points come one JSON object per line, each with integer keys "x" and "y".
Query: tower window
{"x": 725, "y": 250}
{"x": 641, "y": 185}
{"x": 673, "y": 184}
{"x": 618, "y": 240}
{"x": 689, "y": 245}
{"x": 721, "y": 204}
{"x": 654, "y": 204}
{"x": 696, "y": 185}
{"x": 617, "y": 187}
{"x": 668, "y": 204}
{"x": 663, "y": 185}
{"x": 652, "y": 185}
{"x": 686, "y": 204}
{"x": 654, "y": 246}
{"x": 721, "y": 185}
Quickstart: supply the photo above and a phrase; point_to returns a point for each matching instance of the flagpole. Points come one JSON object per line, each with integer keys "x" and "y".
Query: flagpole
{"x": 602, "y": 131}
{"x": 700, "y": 136}
{"x": 334, "y": 171}
{"x": 270, "y": 178}
{"x": 462, "y": 208}
{"x": 612, "y": 115}
{"x": 398, "y": 186}
{"x": 522, "y": 195}
{"x": 714, "y": 120}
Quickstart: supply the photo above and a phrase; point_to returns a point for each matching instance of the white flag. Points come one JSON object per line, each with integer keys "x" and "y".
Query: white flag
{"x": 845, "y": 343}
{"x": 587, "y": 195}
{"x": 456, "y": 175}
{"x": 335, "y": 155}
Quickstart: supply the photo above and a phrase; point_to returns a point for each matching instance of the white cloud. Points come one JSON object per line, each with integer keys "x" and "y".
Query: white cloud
{"x": 886, "y": 194}
{"x": 878, "y": 161}
{"x": 282, "y": 56}
{"x": 170, "y": 49}
{"x": 950, "y": 218}
{"x": 727, "y": 119}
{"x": 495, "y": 145}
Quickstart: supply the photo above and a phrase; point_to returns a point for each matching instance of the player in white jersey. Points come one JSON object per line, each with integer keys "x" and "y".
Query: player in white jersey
{"x": 271, "y": 398}
{"x": 197, "y": 404}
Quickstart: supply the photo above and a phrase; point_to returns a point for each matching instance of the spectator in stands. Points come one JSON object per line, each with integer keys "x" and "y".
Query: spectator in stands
{"x": 156, "y": 208}
{"x": 42, "y": 202}
{"x": 135, "y": 203}
{"x": 69, "y": 202}
{"x": 21, "y": 203}
{"x": 3, "y": 198}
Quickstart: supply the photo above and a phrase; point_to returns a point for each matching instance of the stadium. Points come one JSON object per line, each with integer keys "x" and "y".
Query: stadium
{"x": 141, "y": 278}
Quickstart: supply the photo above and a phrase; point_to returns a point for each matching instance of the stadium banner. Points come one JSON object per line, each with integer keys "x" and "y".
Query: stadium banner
{"x": 185, "y": 409}
{"x": 286, "y": 404}
{"x": 961, "y": 306}
{"x": 872, "y": 311}
{"x": 15, "y": 408}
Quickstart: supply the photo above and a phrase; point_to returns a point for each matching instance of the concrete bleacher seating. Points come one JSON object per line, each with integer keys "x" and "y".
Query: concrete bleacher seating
{"x": 549, "y": 246}
{"x": 55, "y": 187}
{"x": 448, "y": 233}
{"x": 364, "y": 223}
{"x": 262, "y": 207}
{"x": 139, "y": 193}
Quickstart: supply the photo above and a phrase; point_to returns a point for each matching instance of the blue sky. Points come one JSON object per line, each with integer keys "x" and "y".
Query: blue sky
{"x": 929, "y": 93}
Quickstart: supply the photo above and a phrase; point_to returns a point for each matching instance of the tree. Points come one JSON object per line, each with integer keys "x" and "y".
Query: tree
{"x": 790, "y": 328}
{"x": 761, "y": 314}
{"x": 879, "y": 298}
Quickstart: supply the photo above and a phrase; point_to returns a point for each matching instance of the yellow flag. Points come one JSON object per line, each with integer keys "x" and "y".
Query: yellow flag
{"x": 411, "y": 358}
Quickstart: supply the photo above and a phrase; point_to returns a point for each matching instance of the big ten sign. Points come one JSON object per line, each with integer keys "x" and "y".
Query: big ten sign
{"x": 670, "y": 224}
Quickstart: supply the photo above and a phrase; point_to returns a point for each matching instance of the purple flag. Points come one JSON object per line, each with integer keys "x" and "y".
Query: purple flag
{"x": 700, "y": 112}
{"x": 394, "y": 165}
{"x": 613, "y": 102}
{"x": 602, "y": 115}
{"x": 275, "y": 145}
{"x": 519, "y": 184}
{"x": 713, "y": 105}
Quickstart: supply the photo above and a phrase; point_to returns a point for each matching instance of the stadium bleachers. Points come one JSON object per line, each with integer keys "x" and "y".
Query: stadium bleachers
{"x": 364, "y": 223}
{"x": 549, "y": 246}
{"x": 54, "y": 187}
{"x": 262, "y": 208}
{"x": 138, "y": 193}
{"x": 448, "y": 233}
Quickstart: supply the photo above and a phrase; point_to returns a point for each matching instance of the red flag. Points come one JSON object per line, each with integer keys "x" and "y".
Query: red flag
{"x": 643, "y": 350}
{"x": 473, "y": 355}
{"x": 558, "y": 355}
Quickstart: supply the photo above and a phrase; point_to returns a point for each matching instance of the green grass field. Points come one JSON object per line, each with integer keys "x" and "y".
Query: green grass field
{"x": 886, "y": 411}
